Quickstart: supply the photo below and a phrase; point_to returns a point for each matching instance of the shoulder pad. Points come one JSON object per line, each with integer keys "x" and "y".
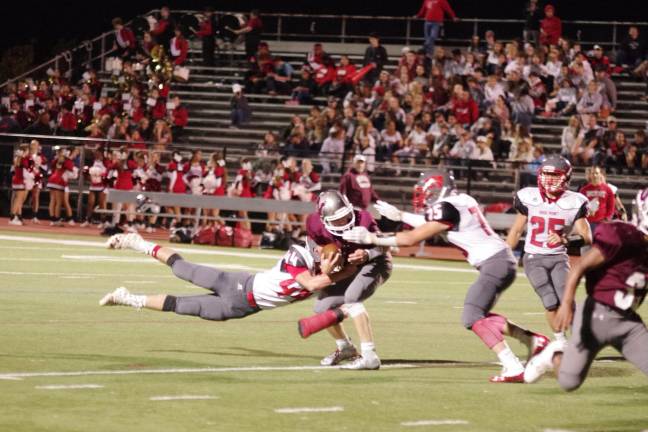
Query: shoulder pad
{"x": 530, "y": 196}
{"x": 460, "y": 200}
{"x": 571, "y": 200}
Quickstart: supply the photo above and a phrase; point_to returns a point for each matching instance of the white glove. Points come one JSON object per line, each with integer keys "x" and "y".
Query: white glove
{"x": 359, "y": 235}
{"x": 389, "y": 211}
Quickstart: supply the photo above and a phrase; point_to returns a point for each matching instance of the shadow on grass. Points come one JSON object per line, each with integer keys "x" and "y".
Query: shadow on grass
{"x": 242, "y": 352}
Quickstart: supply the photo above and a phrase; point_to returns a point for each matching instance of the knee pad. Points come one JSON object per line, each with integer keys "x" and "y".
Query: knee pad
{"x": 569, "y": 382}
{"x": 490, "y": 329}
{"x": 354, "y": 309}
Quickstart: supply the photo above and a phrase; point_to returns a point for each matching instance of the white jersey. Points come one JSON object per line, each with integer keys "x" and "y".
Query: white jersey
{"x": 277, "y": 286}
{"x": 544, "y": 217}
{"x": 469, "y": 230}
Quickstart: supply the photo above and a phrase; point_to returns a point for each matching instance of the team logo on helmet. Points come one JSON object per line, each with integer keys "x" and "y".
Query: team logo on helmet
{"x": 336, "y": 212}
{"x": 431, "y": 187}
{"x": 553, "y": 177}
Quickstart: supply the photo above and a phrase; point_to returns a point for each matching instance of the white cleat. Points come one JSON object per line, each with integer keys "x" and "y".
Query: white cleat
{"x": 15, "y": 221}
{"x": 124, "y": 241}
{"x": 366, "y": 362}
{"x": 542, "y": 363}
{"x": 339, "y": 355}
{"x": 122, "y": 297}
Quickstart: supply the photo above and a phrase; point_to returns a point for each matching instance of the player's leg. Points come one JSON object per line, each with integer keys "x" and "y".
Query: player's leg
{"x": 558, "y": 274}
{"x": 543, "y": 273}
{"x": 634, "y": 343}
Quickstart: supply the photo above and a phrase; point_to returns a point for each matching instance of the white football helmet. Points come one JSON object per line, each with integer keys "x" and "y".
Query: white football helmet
{"x": 640, "y": 211}
{"x": 332, "y": 207}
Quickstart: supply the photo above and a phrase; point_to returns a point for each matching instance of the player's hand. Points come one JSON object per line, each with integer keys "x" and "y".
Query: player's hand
{"x": 554, "y": 239}
{"x": 564, "y": 315}
{"x": 329, "y": 263}
{"x": 359, "y": 235}
{"x": 389, "y": 211}
{"x": 358, "y": 257}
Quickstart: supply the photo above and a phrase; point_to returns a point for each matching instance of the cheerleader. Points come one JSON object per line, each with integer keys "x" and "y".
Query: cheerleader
{"x": 61, "y": 169}
{"x": 21, "y": 181}
{"x": 124, "y": 167}
{"x": 97, "y": 174}
{"x": 72, "y": 153}
{"x": 242, "y": 187}
{"x": 153, "y": 183}
{"x": 214, "y": 181}
{"x": 176, "y": 170}
{"x": 39, "y": 169}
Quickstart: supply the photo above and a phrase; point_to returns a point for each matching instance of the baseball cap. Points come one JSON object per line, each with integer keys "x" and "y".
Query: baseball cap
{"x": 482, "y": 138}
{"x": 597, "y": 47}
{"x": 236, "y": 88}
{"x": 611, "y": 119}
{"x": 359, "y": 157}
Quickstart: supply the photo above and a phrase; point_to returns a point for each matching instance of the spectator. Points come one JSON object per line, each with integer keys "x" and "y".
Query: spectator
{"x": 590, "y": 103}
{"x": 375, "y": 56}
{"x": 617, "y": 149}
{"x": 315, "y": 59}
{"x": 598, "y": 59}
{"x": 464, "y": 148}
{"x": 632, "y": 50}
{"x": 433, "y": 11}
{"x": 570, "y": 134}
{"x": 588, "y": 141}
{"x": 240, "y": 110}
{"x": 252, "y": 30}
{"x": 269, "y": 147}
{"x": 522, "y": 108}
{"x": 8, "y": 123}
{"x": 163, "y": 30}
{"x": 305, "y": 90}
{"x": 178, "y": 48}
{"x": 464, "y": 108}
{"x": 309, "y": 184}
{"x": 600, "y": 196}
{"x": 563, "y": 101}
{"x": 607, "y": 88}
{"x": 207, "y": 33}
{"x": 641, "y": 144}
{"x": 332, "y": 150}
{"x": 278, "y": 80}
{"x": 532, "y": 17}
{"x": 125, "y": 43}
{"x": 356, "y": 184}
{"x": 550, "y": 27}
{"x": 178, "y": 117}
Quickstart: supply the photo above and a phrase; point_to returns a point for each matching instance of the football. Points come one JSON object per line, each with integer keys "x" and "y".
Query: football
{"x": 329, "y": 250}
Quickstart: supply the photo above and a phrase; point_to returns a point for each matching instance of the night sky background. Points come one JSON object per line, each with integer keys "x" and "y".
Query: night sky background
{"x": 52, "y": 24}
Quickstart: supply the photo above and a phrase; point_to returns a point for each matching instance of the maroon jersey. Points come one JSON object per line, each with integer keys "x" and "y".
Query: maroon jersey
{"x": 319, "y": 234}
{"x": 621, "y": 281}
{"x": 358, "y": 189}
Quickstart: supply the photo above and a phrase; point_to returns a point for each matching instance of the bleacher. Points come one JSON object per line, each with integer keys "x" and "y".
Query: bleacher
{"x": 208, "y": 92}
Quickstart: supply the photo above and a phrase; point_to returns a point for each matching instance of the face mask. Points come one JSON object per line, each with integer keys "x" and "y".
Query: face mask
{"x": 247, "y": 166}
{"x": 177, "y": 157}
{"x": 221, "y": 162}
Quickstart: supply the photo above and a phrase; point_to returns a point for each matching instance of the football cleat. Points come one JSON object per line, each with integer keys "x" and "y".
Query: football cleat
{"x": 125, "y": 241}
{"x": 543, "y": 362}
{"x": 364, "y": 362}
{"x": 516, "y": 376}
{"x": 122, "y": 297}
{"x": 15, "y": 221}
{"x": 340, "y": 355}
{"x": 538, "y": 343}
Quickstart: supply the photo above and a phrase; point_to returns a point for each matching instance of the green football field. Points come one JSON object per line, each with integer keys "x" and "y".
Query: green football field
{"x": 67, "y": 364}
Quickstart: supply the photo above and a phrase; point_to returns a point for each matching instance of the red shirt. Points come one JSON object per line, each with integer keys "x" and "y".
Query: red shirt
{"x": 243, "y": 179}
{"x": 176, "y": 173}
{"x": 466, "y": 112}
{"x": 58, "y": 178}
{"x": 126, "y": 38}
{"x": 179, "y": 50}
{"x": 125, "y": 175}
{"x": 345, "y": 73}
{"x": 205, "y": 29}
{"x": 357, "y": 187}
{"x": 433, "y": 10}
{"x": 180, "y": 116}
{"x": 601, "y": 202}
{"x": 551, "y": 30}
{"x": 18, "y": 178}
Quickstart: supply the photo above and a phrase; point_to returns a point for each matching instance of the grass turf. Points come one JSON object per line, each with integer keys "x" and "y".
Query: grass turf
{"x": 51, "y": 322}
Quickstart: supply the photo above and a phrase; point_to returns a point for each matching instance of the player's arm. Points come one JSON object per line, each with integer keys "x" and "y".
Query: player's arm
{"x": 581, "y": 233}
{"x": 390, "y": 212}
{"x": 516, "y": 230}
{"x": 327, "y": 277}
{"x": 407, "y": 238}
{"x": 592, "y": 259}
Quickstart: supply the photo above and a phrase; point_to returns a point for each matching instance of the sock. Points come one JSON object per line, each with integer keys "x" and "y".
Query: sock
{"x": 136, "y": 300}
{"x": 509, "y": 360}
{"x": 367, "y": 347}
{"x": 342, "y": 343}
{"x": 147, "y": 247}
{"x": 523, "y": 335}
{"x": 560, "y": 336}
{"x": 169, "y": 304}
{"x": 313, "y": 324}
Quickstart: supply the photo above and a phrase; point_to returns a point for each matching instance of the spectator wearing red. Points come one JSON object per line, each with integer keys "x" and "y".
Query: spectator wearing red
{"x": 464, "y": 108}
{"x": 325, "y": 75}
{"x": 125, "y": 42}
{"x": 600, "y": 196}
{"x": 67, "y": 121}
{"x": 163, "y": 30}
{"x": 315, "y": 58}
{"x": 356, "y": 185}
{"x": 598, "y": 60}
{"x": 179, "y": 117}
{"x": 178, "y": 48}
{"x": 207, "y": 33}
{"x": 252, "y": 30}
{"x": 550, "y": 27}
{"x": 433, "y": 12}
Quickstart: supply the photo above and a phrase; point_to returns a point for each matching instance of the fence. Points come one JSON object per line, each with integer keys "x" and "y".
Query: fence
{"x": 353, "y": 28}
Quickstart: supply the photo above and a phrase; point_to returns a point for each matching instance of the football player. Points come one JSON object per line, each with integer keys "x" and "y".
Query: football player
{"x": 336, "y": 216}
{"x": 459, "y": 217}
{"x": 549, "y": 212}
{"x": 616, "y": 275}
{"x": 235, "y": 294}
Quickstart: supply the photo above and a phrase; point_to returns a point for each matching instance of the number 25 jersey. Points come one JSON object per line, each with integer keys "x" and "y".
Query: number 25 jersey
{"x": 545, "y": 217}
{"x": 469, "y": 230}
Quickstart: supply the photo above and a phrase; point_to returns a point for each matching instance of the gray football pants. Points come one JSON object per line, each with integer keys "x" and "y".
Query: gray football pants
{"x": 547, "y": 275}
{"x": 229, "y": 299}
{"x": 597, "y": 326}
{"x": 356, "y": 288}
{"x": 495, "y": 275}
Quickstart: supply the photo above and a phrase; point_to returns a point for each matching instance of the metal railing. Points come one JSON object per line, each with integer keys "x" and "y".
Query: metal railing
{"x": 355, "y": 28}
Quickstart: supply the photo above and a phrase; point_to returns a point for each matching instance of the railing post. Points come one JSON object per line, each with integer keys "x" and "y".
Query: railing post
{"x": 56, "y": 62}
{"x": 476, "y": 28}
{"x": 103, "y": 51}
{"x": 614, "y": 38}
{"x": 408, "y": 30}
{"x": 343, "y": 29}
{"x": 279, "y": 25}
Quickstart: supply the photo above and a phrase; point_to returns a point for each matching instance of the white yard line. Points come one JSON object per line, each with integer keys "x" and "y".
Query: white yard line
{"x": 92, "y": 275}
{"x": 434, "y": 423}
{"x": 182, "y": 397}
{"x": 10, "y": 375}
{"x": 300, "y": 410}
{"x": 69, "y": 387}
{"x": 400, "y": 302}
